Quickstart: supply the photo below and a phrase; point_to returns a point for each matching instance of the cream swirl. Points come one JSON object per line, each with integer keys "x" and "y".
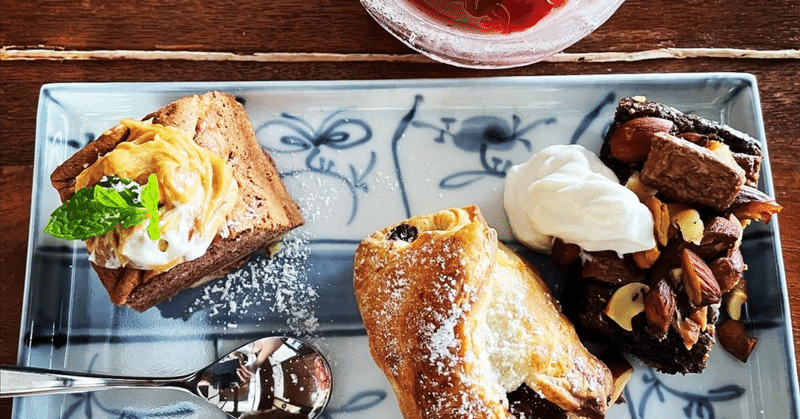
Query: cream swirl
{"x": 565, "y": 191}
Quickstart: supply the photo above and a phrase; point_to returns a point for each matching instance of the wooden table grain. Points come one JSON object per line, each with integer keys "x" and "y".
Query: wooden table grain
{"x": 190, "y": 40}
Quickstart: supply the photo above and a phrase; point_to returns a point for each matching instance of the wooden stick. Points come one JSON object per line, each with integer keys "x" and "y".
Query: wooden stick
{"x": 21, "y": 54}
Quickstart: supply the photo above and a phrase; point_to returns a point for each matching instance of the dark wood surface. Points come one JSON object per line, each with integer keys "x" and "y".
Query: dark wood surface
{"x": 35, "y": 35}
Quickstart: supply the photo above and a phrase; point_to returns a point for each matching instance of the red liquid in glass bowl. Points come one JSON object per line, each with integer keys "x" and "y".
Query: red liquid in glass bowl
{"x": 488, "y": 16}
{"x": 490, "y": 33}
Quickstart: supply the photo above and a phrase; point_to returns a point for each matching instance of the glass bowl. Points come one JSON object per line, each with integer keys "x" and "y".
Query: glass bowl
{"x": 449, "y": 44}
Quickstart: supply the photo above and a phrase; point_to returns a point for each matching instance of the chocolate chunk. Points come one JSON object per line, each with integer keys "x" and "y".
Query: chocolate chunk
{"x": 610, "y": 268}
{"x": 691, "y": 174}
{"x": 404, "y": 232}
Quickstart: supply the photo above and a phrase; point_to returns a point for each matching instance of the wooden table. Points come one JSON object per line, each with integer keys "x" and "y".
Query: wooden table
{"x": 149, "y": 40}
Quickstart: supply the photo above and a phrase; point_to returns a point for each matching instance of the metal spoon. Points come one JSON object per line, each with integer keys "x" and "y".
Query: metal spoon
{"x": 275, "y": 377}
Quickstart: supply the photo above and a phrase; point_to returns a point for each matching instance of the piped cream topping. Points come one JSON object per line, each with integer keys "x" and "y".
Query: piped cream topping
{"x": 197, "y": 190}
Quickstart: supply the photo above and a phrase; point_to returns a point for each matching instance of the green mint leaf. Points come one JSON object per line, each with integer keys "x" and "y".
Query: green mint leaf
{"x": 98, "y": 209}
{"x": 127, "y": 189}
{"x": 109, "y": 197}
{"x": 80, "y": 217}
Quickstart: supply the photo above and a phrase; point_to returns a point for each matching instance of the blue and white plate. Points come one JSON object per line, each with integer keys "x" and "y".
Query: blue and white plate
{"x": 358, "y": 156}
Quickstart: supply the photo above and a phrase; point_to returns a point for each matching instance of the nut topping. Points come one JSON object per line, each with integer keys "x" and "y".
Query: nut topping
{"x": 752, "y": 204}
{"x": 626, "y": 303}
{"x": 728, "y": 270}
{"x": 660, "y": 306}
{"x": 699, "y": 281}
{"x": 688, "y": 330}
{"x": 699, "y": 315}
{"x": 621, "y": 372}
{"x": 608, "y": 267}
{"x": 735, "y": 299}
{"x": 630, "y": 143}
{"x": 640, "y": 189}
{"x": 661, "y": 219}
{"x": 690, "y": 225}
{"x": 646, "y": 258}
{"x": 694, "y": 137}
{"x": 733, "y": 337}
{"x": 720, "y": 235}
{"x": 722, "y": 151}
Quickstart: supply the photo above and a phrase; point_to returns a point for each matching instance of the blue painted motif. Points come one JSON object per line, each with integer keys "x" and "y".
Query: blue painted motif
{"x": 481, "y": 134}
{"x": 334, "y": 132}
{"x": 590, "y": 117}
{"x": 697, "y": 405}
{"x": 89, "y": 401}
{"x": 398, "y": 134}
{"x": 75, "y": 144}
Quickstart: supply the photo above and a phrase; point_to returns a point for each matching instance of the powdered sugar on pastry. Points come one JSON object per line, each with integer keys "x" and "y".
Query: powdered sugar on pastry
{"x": 456, "y": 321}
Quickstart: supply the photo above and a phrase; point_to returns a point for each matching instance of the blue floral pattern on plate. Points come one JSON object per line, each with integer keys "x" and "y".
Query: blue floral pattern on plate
{"x": 358, "y": 156}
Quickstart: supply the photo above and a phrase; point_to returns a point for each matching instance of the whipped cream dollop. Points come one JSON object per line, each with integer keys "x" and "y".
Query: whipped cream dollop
{"x": 197, "y": 193}
{"x": 565, "y": 191}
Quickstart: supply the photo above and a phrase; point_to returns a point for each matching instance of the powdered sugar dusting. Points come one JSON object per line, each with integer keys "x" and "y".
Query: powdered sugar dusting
{"x": 443, "y": 340}
{"x": 276, "y": 286}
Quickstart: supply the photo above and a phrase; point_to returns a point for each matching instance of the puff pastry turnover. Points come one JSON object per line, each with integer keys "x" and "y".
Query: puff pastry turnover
{"x": 464, "y": 328}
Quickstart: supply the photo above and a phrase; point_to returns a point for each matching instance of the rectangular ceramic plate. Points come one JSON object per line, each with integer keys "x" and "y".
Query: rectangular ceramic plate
{"x": 358, "y": 156}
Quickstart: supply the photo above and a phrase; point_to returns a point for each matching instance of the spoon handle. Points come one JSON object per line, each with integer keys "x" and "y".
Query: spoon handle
{"x": 27, "y": 381}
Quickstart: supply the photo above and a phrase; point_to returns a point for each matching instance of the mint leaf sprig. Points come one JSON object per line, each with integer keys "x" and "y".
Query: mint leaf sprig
{"x": 98, "y": 209}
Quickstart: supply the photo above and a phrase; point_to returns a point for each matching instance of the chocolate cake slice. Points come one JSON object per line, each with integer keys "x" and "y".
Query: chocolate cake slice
{"x": 262, "y": 214}
{"x": 698, "y": 179}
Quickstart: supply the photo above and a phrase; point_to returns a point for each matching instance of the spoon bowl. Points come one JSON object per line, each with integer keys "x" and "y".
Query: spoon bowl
{"x": 272, "y": 377}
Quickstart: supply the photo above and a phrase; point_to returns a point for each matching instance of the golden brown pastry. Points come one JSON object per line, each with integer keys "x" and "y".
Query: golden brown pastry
{"x": 457, "y": 321}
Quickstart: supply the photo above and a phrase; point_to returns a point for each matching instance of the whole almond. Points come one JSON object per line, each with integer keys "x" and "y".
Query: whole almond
{"x": 699, "y": 281}
{"x": 720, "y": 236}
{"x": 728, "y": 270}
{"x": 660, "y": 306}
{"x": 630, "y": 142}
